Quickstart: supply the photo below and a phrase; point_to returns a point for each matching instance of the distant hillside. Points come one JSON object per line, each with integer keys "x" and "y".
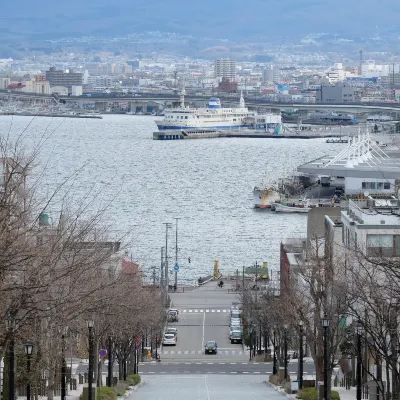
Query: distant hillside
{"x": 233, "y": 19}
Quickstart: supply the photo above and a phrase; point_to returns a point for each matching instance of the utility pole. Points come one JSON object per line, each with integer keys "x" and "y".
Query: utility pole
{"x": 168, "y": 225}
{"x": 154, "y": 275}
{"x": 162, "y": 268}
{"x": 176, "y": 251}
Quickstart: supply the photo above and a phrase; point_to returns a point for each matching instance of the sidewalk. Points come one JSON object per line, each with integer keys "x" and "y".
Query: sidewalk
{"x": 343, "y": 392}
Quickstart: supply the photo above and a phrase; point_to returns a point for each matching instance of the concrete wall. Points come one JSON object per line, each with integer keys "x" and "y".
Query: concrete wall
{"x": 354, "y": 185}
{"x": 316, "y": 221}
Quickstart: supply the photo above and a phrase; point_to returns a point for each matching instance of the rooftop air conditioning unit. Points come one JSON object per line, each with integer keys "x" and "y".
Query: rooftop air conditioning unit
{"x": 382, "y": 221}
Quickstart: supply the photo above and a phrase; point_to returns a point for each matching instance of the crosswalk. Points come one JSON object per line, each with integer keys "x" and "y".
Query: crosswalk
{"x": 203, "y": 310}
{"x": 194, "y": 352}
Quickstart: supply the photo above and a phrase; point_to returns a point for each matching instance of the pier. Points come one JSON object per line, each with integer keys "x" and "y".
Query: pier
{"x": 211, "y": 134}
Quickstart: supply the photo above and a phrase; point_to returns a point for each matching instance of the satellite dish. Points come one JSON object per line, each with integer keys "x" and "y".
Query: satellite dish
{"x": 366, "y": 193}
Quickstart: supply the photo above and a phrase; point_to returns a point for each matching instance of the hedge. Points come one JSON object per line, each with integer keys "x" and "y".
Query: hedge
{"x": 133, "y": 380}
{"x": 106, "y": 393}
{"x": 312, "y": 394}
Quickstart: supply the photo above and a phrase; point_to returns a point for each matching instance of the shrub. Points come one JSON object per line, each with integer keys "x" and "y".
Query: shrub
{"x": 274, "y": 379}
{"x": 335, "y": 395}
{"x": 120, "y": 394}
{"x": 133, "y": 380}
{"x": 106, "y": 393}
{"x": 308, "y": 394}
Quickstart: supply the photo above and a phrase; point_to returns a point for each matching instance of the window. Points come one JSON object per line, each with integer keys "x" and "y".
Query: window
{"x": 379, "y": 245}
{"x": 186, "y": 117}
{"x": 386, "y": 185}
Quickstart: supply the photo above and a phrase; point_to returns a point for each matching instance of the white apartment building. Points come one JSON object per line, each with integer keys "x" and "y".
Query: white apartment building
{"x": 60, "y": 90}
{"x": 225, "y": 68}
{"x": 76, "y": 90}
{"x": 371, "y": 70}
{"x": 4, "y": 82}
{"x": 100, "y": 81}
{"x": 271, "y": 74}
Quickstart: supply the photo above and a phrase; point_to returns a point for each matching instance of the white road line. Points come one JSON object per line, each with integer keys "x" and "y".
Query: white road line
{"x": 199, "y": 363}
{"x": 223, "y": 310}
{"x": 165, "y": 352}
{"x": 212, "y": 310}
{"x": 184, "y": 311}
{"x": 186, "y": 352}
{"x": 196, "y": 310}
{"x": 172, "y": 351}
{"x": 233, "y": 372}
{"x": 192, "y": 352}
{"x": 221, "y": 363}
{"x": 221, "y": 372}
{"x": 179, "y": 351}
{"x": 218, "y": 310}
{"x": 240, "y": 353}
{"x": 199, "y": 351}
{"x": 207, "y": 310}
{"x": 201, "y": 310}
{"x": 255, "y": 363}
{"x": 190, "y": 310}
{"x": 163, "y": 372}
{"x": 257, "y": 372}
{"x": 232, "y": 363}
{"x": 151, "y": 372}
{"x": 244, "y": 363}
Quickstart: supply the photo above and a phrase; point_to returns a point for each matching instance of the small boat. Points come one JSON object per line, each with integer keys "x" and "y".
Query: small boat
{"x": 264, "y": 196}
{"x": 287, "y": 207}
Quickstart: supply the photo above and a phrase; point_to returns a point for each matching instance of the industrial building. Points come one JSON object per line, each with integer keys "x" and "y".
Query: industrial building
{"x": 339, "y": 93}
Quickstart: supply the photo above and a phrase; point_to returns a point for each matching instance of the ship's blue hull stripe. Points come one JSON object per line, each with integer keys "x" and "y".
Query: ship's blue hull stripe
{"x": 164, "y": 127}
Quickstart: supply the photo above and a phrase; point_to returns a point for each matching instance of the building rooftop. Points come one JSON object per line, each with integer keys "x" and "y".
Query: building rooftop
{"x": 384, "y": 213}
{"x": 362, "y": 158}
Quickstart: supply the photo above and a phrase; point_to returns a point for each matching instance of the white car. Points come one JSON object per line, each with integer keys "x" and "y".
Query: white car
{"x": 169, "y": 339}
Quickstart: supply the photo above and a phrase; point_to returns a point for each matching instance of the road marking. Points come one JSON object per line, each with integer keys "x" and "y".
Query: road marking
{"x": 192, "y": 352}
{"x": 186, "y": 352}
{"x": 151, "y": 372}
{"x": 199, "y": 363}
{"x": 244, "y": 372}
{"x": 233, "y": 372}
{"x": 240, "y": 353}
{"x": 201, "y": 310}
{"x": 257, "y": 372}
{"x": 212, "y": 310}
{"x": 218, "y": 310}
{"x": 255, "y": 363}
{"x": 232, "y": 363}
{"x": 184, "y": 311}
{"x": 199, "y": 351}
{"x": 223, "y": 310}
{"x": 207, "y": 310}
{"x": 244, "y": 363}
{"x": 221, "y": 363}
{"x": 221, "y": 372}
{"x": 190, "y": 310}
{"x": 172, "y": 351}
{"x": 179, "y": 351}
{"x": 202, "y": 339}
{"x": 196, "y": 310}
{"x": 210, "y": 363}
{"x": 163, "y": 372}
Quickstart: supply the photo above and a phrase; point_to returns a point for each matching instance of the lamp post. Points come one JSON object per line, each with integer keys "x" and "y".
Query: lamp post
{"x": 90, "y": 325}
{"x": 63, "y": 365}
{"x": 28, "y": 347}
{"x": 300, "y": 354}
{"x": 11, "y": 374}
{"x": 325, "y": 322}
{"x": 274, "y": 368}
{"x": 285, "y": 326}
{"x": 110, "y": 362}
{"x": 360, "y": 331}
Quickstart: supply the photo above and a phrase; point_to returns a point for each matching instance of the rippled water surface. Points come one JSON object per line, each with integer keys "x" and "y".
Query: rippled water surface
{"x": 206, "y": 183}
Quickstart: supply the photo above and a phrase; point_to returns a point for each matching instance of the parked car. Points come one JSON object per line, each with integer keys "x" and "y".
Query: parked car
{"x": 234, "y": 330}
{"x": 173, "y": 316}
{"x": 236, "y": 337}
{"x": 169, "y": 339}
{"x": 174, "y": 331}
{"x": 211, "y": 347}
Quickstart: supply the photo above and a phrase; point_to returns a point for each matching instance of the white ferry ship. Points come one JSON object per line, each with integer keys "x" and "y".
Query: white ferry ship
{"x": 216, "y": 117}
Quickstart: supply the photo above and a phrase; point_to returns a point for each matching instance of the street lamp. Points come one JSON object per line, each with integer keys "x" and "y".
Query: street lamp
{"x": 325, "y": 322}
{"x": 28, "y": 347}
{"x": 90, "y": 325}
{"x": 285, "y": 327}
{"x": 301, "y": 354}
{"x": 275, "y": 368}
{"x": 63, "y": 364}
{"x": 360, "y": 332}
{"x": 11, "y": 374}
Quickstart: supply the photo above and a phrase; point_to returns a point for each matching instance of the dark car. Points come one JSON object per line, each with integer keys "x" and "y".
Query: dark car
{"x": 211, "y": 347}
{"x": 236, "y": 337}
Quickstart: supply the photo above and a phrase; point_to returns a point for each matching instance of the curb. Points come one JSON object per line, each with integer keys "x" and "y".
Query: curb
{"x": 281, "y": 391}
{"x": 136, "y": 387}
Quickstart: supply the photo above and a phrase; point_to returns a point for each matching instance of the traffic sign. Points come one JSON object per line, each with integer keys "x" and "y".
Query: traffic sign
{"x": 176, "y": 267}
{"x": 103, "y": 353}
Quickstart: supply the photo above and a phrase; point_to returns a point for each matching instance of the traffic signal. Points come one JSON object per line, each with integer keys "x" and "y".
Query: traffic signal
{"x": 189, "y": 260}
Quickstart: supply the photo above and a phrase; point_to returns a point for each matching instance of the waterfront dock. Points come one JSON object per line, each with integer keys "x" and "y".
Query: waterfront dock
{"x": 210, "y": 134}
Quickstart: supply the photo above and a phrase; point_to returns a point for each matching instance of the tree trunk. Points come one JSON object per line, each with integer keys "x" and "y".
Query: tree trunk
{"x": 5, "y": 378}
{"x": 51, "y": 381}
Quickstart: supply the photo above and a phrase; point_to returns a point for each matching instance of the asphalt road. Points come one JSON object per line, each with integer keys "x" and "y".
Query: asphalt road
{"x": 203, "y": 316}
{"x": 205, "y": 387}
{"x": 218, "y": 367}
